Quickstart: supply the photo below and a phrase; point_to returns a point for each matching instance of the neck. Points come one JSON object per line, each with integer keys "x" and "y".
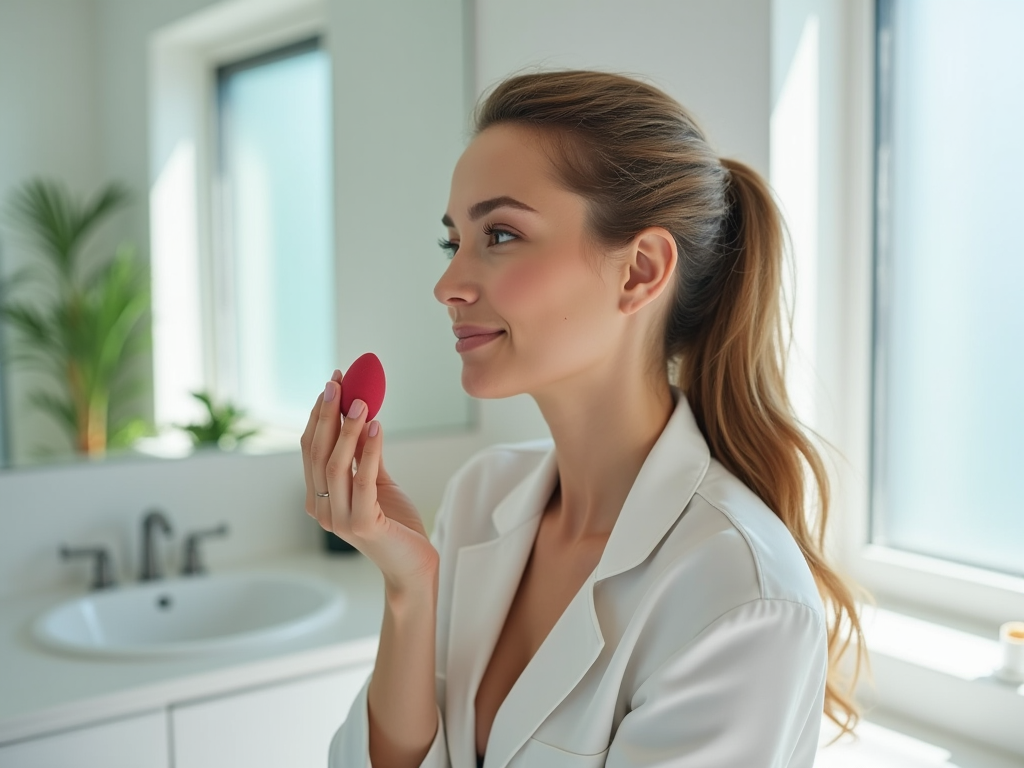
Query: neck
{"x": 602, "y": 436}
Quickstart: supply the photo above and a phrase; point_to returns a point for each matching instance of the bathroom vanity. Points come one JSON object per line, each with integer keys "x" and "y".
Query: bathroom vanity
{"x": 272, "y": 703}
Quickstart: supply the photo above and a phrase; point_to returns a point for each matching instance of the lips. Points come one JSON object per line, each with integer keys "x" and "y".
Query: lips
{"x": 472, "y": 337}
{"x": 466, "y": 331}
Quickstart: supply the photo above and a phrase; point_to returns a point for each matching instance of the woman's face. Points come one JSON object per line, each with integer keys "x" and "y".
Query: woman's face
{"x": 520, "y": 269}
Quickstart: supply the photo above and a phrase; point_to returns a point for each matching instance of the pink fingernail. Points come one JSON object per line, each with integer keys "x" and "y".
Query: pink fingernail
{"x": 329, "y": 392}
{"x": 355, "y": 409}
{"x": 374, "y": 428}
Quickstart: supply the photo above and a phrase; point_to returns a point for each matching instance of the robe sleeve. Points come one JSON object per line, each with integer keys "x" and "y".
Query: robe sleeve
{"x": 748, "y": 691}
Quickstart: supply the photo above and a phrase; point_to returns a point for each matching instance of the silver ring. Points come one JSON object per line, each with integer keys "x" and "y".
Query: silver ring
{"x": 322, "y": 495}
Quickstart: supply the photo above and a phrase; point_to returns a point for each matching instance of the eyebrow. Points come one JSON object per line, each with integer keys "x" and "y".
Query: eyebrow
{"x": 486, "y": 206}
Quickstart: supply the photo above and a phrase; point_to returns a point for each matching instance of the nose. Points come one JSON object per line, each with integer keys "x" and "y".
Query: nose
{"x": 455, "y": 288}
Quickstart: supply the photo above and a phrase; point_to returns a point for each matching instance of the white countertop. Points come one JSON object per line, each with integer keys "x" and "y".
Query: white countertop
{"x": 43, "y": 691}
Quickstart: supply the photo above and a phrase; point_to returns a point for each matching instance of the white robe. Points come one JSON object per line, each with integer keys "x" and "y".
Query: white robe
{"x": 698, "y": 641}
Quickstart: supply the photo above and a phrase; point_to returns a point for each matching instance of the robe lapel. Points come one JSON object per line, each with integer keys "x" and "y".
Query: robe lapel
{"x": 670, "y": 474}
{"x": 560, "y": 662}
{"x": 487, "y": 576}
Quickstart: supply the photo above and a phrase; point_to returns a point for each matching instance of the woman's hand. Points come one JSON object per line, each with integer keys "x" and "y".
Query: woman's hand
{"x": 366, "y": 507}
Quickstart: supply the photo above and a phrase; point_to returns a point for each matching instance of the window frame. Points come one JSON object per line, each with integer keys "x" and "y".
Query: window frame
{"x": 948, "y": 592}
{"x": 183, "y": 61}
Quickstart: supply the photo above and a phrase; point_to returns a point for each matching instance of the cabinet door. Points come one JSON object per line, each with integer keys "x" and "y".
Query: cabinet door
{"x": 136, "y": 742}
{"x": 281, "y": 726}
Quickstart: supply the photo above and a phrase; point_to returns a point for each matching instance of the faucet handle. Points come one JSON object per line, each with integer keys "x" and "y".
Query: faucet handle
{"x": 155, "y": 518}
{"x": 193, "y": 561}
{"x": 103, "y": 574}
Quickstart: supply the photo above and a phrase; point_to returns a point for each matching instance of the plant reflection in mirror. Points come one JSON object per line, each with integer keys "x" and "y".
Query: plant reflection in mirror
{"x": 84, "y": 328}
{"x": 222, "y": 427}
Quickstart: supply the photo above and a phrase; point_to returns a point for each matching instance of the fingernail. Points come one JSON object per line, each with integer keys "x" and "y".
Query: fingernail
{"x": 374, "y": 428}
{"x": 336, "y": 376}
{"x": 329, "y": 392}
{"x": 356, "y": 409}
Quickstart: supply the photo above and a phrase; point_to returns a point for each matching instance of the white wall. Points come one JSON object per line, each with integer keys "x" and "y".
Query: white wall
{"x": 809, "y": 173}
{"x": 713, "y": 55}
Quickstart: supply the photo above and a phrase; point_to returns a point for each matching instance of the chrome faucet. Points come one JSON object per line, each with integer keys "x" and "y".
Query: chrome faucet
{"x": 150, "y": 564}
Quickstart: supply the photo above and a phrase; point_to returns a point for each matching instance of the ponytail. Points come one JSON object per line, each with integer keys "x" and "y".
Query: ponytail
{"x": 734, "y": 377}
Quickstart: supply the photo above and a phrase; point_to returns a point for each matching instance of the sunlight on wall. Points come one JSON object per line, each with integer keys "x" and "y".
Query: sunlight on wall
{"x": 794, "y": 177}
{"x": 177, "y": 362}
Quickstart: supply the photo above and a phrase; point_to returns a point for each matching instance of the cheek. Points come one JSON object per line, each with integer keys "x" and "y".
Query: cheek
{"x": 520, "y": 288}
{"x": 547, "y": 297}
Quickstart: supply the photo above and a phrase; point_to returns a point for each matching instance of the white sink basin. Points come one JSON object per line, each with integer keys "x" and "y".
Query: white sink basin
{"x": 192, "y": 615}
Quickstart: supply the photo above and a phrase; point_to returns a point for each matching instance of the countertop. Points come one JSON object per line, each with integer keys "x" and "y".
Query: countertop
{"x": 43, "y": 691}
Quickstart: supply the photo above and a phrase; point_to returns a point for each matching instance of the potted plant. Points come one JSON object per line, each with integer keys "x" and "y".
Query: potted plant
{"x": 221, "y": 427}
{"x": 84, "y": 328}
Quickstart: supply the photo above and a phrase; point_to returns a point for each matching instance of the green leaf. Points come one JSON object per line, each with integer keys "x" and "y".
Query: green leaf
{"x": 48, "y": 212}
{"x": 222, "y": 422}
{"x": 60, "y": 409}
{"x": 124, "y": 433}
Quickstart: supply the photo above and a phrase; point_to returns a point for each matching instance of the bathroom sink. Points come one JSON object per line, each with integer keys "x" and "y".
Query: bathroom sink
{"x": 190, "y": 615}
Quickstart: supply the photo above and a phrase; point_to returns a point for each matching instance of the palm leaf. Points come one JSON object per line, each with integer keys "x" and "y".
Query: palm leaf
{"x": 46, "y": 211}
{"x": 60, "y": 409}
{"x": 34, "y": 359}
{"x": 23, "y": 275}
{"x": 120, "y": 305}
{"x": 40, "y": 331}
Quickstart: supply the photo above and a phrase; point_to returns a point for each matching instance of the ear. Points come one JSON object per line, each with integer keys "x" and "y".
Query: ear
{"x": 647, "y": 269}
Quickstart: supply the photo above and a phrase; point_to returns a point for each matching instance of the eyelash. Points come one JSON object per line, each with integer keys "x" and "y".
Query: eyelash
{"x": 448, "y": 245}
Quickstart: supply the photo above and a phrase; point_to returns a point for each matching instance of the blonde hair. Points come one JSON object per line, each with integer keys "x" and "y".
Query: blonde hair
{"x": 639, "y": 159}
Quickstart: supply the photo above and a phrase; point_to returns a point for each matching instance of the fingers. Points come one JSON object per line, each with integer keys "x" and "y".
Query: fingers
{"x": 306, "y": 443}
{"x": 364, "y": 482}
{"x": 338, "y": 467}
{"x": 382, "y": 471}
{"x": 325, "y": 435}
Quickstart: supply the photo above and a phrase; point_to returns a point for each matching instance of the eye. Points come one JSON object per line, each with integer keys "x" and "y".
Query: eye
{"x": 489, "y": 230}
{"x": 448, "y": 245}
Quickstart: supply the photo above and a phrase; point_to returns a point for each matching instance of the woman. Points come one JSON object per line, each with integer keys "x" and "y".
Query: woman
{"x": 645, "y": 588}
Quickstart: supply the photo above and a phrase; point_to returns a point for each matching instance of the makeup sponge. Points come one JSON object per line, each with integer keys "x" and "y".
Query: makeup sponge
{"x": 364, "y": 380}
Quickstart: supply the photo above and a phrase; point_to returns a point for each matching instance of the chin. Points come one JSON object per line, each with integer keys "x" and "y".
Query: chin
{"x": 485, "y": 386}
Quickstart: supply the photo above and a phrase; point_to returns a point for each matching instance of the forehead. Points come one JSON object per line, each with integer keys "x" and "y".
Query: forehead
{"x": 502, "y": 160}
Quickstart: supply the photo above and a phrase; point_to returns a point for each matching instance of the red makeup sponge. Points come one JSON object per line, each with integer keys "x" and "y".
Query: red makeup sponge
{"x": 364, "y": 380}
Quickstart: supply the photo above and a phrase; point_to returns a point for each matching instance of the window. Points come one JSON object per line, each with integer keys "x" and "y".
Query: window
{"x": 273, "y": 260}
{"x": 948, "y": 386}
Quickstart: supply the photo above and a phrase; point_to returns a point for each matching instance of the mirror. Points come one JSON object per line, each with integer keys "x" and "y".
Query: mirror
{"x": 286, "y": 164}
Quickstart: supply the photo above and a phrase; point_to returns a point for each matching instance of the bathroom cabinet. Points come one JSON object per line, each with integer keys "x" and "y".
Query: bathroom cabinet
{"x": 282, "y": 724}
{"x": 279, "y": 725}
{"x": 133, "y": 742}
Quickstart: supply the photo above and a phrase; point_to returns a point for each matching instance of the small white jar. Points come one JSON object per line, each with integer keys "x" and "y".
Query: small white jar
{"x": 1011, "y": 640}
